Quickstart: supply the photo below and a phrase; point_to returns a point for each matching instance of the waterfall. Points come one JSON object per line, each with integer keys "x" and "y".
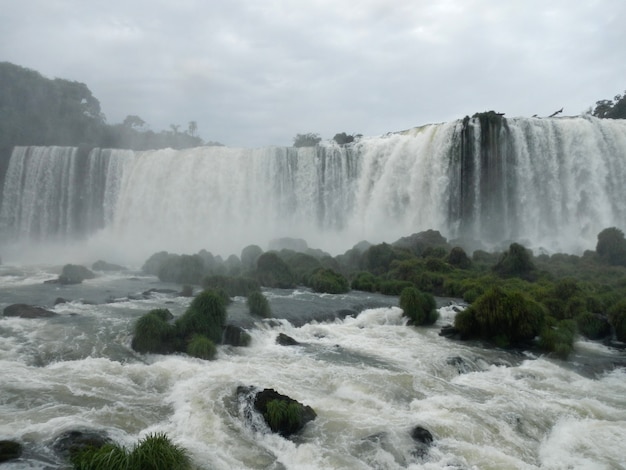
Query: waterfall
{"x": 548, "y": 183}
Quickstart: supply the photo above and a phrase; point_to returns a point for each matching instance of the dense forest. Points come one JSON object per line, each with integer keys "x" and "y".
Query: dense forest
{"x": 35, "y": 110}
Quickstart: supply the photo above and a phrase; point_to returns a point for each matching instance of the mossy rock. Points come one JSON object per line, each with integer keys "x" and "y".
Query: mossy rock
{"x": 329, "y": 282}
{"x": 202, "y": 348}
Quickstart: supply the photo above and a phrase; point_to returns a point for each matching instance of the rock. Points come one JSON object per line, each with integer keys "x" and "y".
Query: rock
{"x": 285, "y": 340}
{"x": 450, "y": 332}
{"x": 424, "y": 439}
{"x": 75, "y": 274}
{"x": 68, "y": 443}
{"x": 150, "y": 292}
{"x": 72, "y": 274}
{"x": 282, "y": 414}
{"x": 10, "y": 450}
{"x": 104, "y": 266}
{"x": 27, "y": 311}
{"x": 235, "y": 336}
{"x": 60, "y": 300}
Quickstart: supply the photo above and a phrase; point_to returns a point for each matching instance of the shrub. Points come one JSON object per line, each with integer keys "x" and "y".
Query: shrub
{"x": 306, "y": 140}
{"x": 281, "y": 414}
{"x": 205, "y": 316}
{"x": 342, "y": 138}
{"x": 107, "y": 457}
{"x": 365, "y": 281}
{"x": 507, "y": 318}
{"x": 183, "y": 269}
{"x": 153, "y": 264}
{"x": 458, "y": 258}
{"x": 202, "y": 348}
{"x": 558, "y": 338}
{"x": 152, "y": 333}
{"x": 617, "y": 317}
{"x": 517, "y": 261}
{"x": 393, "y": 287}
{"x": 232, "y": 286}
{"x": 328, "y": 281}
{"x": 377, "y": 258}
{"x": 419, "y": 307}
{"x": 249, "y": 256}
{"x": 258, "y": 305}
{"x": 302, "y": 265}
{"x": 155, "y": 452}
{"x": 611, "y": 246}
{"x": 274, "y": 272}
{"x": 436, "y": 265}
{"x": 592, "y": 325}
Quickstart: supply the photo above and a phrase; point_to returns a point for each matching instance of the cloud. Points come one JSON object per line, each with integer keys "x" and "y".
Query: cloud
{"x": 256, "y": 73}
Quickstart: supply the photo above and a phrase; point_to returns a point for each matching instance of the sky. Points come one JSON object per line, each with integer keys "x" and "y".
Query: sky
{"x": 255, "y": 73}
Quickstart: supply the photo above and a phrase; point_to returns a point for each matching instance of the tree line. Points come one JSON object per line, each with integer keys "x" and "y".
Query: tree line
{"x": 35, "y": 110}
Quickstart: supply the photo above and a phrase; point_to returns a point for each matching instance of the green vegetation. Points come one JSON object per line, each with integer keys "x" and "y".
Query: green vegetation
{"x": 205, "y": 316}
{"x": 155, "y": 452}
{"x": 306, "y": 140}
{"x": 272, "y": 271}
{"x": 419, "y": 307}
{"x": 201, "y": 323}
{"x": 506, "y": 318}
{"x": 617, "y": 316}
{"x": 232, "y": 286}
{"x": 282, "y": 414}
{"x": 611, "y": 247}
{"x": 258, "y": 305}
{"x": 201, "y": 347}
{"x": 329, "y": 282}
{"x": 612, "y": 109}
{"x": 517, "y": 299}
{"x": 153, "y": 334}
{"x": 40, "y": 111}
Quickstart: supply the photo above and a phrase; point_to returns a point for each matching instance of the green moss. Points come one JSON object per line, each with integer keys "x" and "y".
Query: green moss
{"x": 281, "y": 413}
{"x": 559, "y": 338}
{"x": 592, "y": 325}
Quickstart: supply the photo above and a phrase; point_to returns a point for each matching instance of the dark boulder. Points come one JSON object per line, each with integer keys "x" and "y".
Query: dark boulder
{"x": 72, "y": 274}
{"x": 450, "y": 332}
{"x": 104, "y": 266}
{"x": 235, "y": 336}
{"x": 10, "y": 450}
{"x": 285, "y": 340}
{"x": 60, "y": 300}
{"x": 27, "y": 311}
{"x": 69, "y": 443}
{"x": 423, "y": 438}
{"x": 282, "y": 414}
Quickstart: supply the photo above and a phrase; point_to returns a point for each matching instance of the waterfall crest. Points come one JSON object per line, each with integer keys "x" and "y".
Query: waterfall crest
{"x": 551, "y": 183}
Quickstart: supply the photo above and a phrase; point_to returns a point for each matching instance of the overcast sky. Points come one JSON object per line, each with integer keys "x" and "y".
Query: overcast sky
{"x": 256, "y": 72}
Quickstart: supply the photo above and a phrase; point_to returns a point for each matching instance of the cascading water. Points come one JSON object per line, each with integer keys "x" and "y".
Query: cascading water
{"x": 551, "y": 183}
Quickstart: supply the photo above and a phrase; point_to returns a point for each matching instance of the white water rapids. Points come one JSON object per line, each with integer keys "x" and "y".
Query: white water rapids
{"x": 370, "y": 379}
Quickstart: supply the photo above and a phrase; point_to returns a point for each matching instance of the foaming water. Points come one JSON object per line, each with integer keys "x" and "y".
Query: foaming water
{"x": 551, "y": 183}
{"x": 369, "y": 377}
